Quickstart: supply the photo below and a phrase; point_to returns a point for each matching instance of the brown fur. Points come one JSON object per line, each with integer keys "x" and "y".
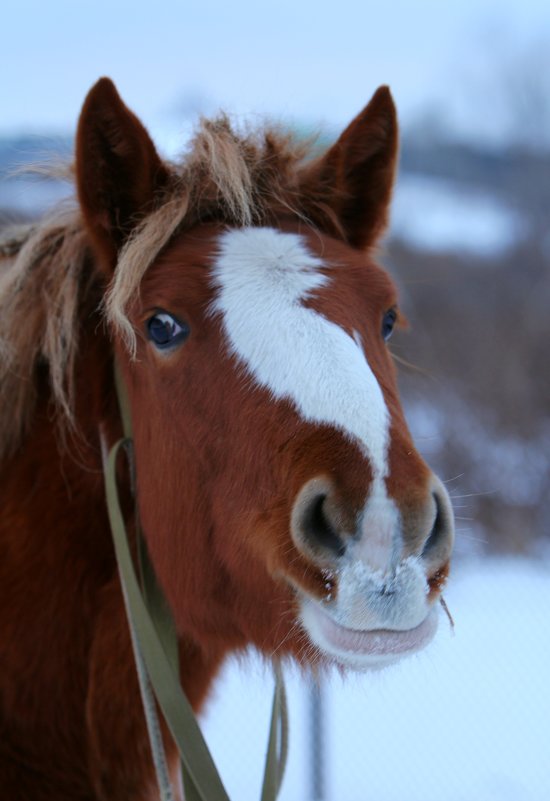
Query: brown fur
{"x": 218, "y": 462}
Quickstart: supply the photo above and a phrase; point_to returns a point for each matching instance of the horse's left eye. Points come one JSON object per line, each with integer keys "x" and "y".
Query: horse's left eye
{"x": 388, "y": 323}
{"x": 165, "y": 331}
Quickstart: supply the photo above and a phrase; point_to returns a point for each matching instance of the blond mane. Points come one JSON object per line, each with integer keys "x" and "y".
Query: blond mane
{"x": 237, "y": 178}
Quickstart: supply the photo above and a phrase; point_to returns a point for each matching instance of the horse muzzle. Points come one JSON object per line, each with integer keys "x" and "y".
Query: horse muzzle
{"x": 384, "y": 571}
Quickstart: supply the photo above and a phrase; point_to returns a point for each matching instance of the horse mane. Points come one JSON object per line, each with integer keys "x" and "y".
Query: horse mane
{"x": 46, "y": 268}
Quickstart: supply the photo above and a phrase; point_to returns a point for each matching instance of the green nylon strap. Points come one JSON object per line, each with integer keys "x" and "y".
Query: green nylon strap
{"x": 157, "y": 606}
{"x": 158, "y": 752}
{"x": 161, "y": 617}
{"x": 173, "y": 703}
{"x": 166, "y": 629}
{"x": 200, "y": 776}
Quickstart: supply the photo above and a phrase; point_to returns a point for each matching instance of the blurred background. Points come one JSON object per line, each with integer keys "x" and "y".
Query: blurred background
{"x": 469, "y": 245}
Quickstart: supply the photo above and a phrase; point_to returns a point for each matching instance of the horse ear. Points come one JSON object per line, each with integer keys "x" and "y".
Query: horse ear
{"x": 354, "y": 179}
{"x": 118, "y": 170}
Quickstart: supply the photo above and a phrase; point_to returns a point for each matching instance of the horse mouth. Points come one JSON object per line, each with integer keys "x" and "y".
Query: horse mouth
{"x": 363, "y": 649}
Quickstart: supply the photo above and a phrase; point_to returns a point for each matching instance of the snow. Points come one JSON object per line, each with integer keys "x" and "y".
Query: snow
{"x": 434, "y": 214}
{"x": 466, "y": 720}
{"x": 515, "y": 467}
{"x": 32, "y": 195}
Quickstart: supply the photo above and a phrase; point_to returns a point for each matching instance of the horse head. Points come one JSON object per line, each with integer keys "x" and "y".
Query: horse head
{"x": 280, "y": 493}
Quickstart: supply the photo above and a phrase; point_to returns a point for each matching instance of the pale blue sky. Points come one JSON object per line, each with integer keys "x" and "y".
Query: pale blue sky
{"x": 306, "y": 61}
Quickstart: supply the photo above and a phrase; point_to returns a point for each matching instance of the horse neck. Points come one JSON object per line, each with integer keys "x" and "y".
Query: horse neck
{"x": 52, "y": 485}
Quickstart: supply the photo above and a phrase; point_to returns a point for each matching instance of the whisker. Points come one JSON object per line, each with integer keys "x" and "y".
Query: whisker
{"x": 447, "y": 612}
{"x": 455, "y": 478}
{"x": 410, "y": 365}
{"x": 464, "y": 536}
{"x": 475, "y": 494}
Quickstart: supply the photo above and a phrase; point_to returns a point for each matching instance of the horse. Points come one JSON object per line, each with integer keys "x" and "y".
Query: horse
{"x": 282, "y": 500}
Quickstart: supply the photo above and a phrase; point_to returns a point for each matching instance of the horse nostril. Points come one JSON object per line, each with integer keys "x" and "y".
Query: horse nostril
{"x": 318, "y": 529}
{"x": 442, "y": 527}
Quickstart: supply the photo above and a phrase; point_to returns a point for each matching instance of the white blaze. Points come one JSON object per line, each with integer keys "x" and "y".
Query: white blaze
{"x": 263, "y": 276}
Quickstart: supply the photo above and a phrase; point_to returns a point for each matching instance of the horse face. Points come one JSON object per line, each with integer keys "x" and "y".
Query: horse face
{"x": 278, "y": 487}
{"x": 270, "y": 441}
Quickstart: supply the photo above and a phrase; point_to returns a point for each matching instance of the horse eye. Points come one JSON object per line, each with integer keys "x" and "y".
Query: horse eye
{"x": 388, "y": 323}
{"x": 165, "y": 331}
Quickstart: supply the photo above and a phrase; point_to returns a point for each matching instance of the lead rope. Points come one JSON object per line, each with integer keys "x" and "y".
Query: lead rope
{"x": 154, "y": 642}
{"x": 151, "y": 717}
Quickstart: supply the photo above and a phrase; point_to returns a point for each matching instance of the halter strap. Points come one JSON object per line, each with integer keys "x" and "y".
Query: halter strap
{"x": 155, "y": 646}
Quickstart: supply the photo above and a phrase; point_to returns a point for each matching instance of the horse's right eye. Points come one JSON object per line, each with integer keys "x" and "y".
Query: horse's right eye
{"x": 165, "y": 331}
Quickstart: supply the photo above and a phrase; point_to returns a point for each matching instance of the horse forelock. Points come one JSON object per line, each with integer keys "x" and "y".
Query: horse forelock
{"x": 232, "y": 177}
{"x": 237, "y": 179}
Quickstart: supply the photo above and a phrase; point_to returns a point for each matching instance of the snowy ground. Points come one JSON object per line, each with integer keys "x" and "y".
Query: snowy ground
{"x": 433, "y": 214}
{"x": 467, "y": 720}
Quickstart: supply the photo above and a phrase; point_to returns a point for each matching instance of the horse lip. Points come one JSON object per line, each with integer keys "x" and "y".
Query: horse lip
{"x": 339, "y": 641}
